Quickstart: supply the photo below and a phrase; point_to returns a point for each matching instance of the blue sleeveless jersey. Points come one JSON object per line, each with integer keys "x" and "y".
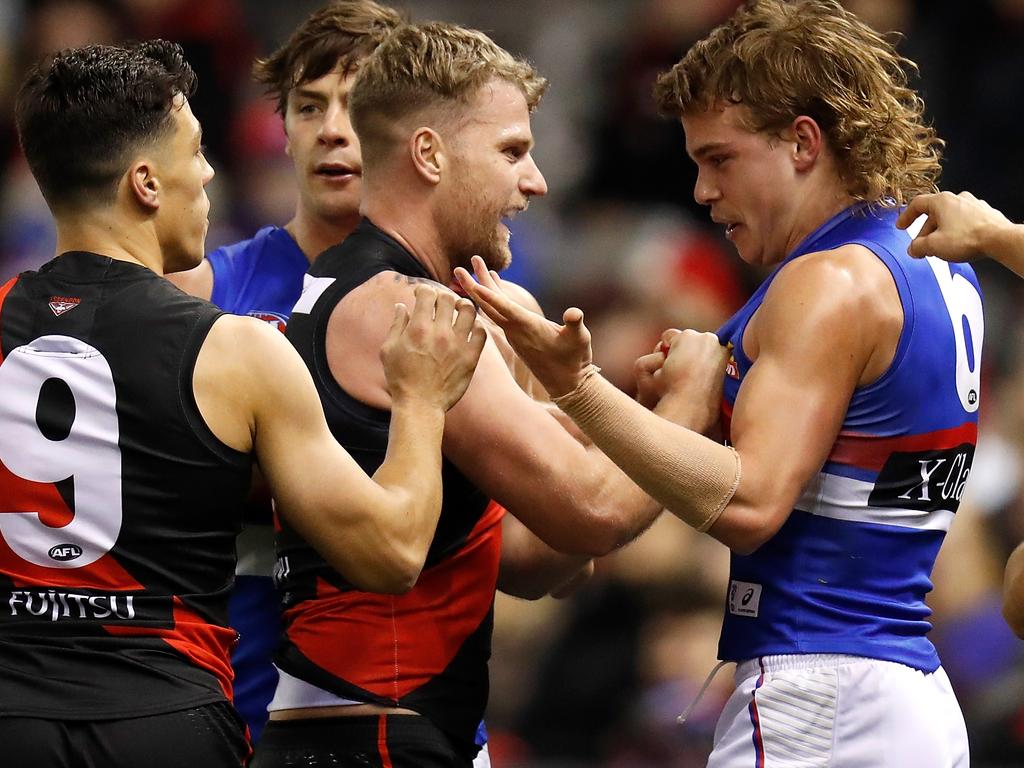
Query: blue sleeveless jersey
{"x": 261, "y": 277}
{"x": 849, "y": 570}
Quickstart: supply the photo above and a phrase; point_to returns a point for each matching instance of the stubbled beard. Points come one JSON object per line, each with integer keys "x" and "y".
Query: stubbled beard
{"x": 481, "y": 237}
{"x": 493, "y": 250}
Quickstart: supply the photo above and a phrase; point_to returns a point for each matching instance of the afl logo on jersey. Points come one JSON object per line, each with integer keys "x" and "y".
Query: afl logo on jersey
{"x": 65, "y": 552}
{"x": 278, "y": 321}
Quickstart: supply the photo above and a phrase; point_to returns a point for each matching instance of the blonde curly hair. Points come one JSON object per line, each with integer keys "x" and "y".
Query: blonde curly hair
{"x": 431, "y": 66}
{"x": 783, "y": 59}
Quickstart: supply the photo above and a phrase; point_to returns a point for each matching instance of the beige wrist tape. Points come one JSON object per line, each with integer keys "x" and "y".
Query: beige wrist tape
{"x": 691, "y": 476}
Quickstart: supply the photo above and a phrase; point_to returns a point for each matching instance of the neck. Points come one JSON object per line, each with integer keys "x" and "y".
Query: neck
{"x": 107, "y": 234}
{"x": 818, "y": 208}
{"x": 411, "y": 222}
{"x": 314, "y": 234}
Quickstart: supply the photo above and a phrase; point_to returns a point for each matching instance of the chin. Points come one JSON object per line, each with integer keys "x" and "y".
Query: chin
{"x": 497, "y": 257}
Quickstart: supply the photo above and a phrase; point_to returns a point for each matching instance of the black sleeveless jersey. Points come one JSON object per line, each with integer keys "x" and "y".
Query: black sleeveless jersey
{"x": 426, "y": 650}
{"x": 118, "y": 506}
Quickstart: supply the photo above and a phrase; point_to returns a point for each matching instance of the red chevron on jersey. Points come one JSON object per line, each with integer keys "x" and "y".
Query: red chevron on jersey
{"x": 342, "y": 632}
{"x": 872, "y": 451}
{"x": 204, "y": 644}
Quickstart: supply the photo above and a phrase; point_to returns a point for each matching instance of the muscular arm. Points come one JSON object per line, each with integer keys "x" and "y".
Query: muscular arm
{"x": 256, "y": 394}
{"x": 529, "y": 568}
{"x": 571, "y": 496}
{"x": 829, "y": 323}
{"x": 1013, "y": 592}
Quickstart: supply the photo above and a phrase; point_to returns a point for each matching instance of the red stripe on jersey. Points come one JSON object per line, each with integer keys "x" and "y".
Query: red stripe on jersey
{"x": 204, "y": 644}
{"x": 382, "y": 741}
{"x": 18, "y": 495}
{"x": 391, "y": 645}
{"x": 872, "y": 451}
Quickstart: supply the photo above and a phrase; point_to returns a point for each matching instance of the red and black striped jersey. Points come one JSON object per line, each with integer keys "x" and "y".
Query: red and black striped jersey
{"x": 426, "y": 650}
{"x": 118, "y": 506}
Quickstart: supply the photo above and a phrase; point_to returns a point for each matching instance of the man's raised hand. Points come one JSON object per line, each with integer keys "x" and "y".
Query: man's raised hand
{"x": 558, "y": 355}
{"x": 431, "y": 353}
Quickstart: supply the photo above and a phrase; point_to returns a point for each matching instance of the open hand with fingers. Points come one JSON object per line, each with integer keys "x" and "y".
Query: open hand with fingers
{"x": 558, "y": 355}
{"x": 959, "y": 227}
{"x": 430, "y": 354}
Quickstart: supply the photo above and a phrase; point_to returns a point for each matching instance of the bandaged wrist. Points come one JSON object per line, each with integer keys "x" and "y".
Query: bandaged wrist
{"x": 591, "y": 371}
{"x": 693, "y": 477}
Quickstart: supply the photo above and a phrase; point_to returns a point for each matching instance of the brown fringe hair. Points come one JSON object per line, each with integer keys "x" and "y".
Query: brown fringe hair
{"x": 783, "y": 59}
{"x": 340, "y": 34}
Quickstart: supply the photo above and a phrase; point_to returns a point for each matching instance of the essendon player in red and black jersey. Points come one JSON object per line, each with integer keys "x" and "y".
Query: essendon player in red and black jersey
{"x": 443, "y": 119}
{"x": 128, "y": 413}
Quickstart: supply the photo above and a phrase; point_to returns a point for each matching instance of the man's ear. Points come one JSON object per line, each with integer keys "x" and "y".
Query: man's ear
{"x": 144, "y": 185}
{"x": 428, "y": 154}
{"x": 808, "y": 142}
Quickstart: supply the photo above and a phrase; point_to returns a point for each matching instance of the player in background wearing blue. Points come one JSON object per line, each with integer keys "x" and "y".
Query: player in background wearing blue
{"x": 962, "y": 228}
{"x": 310, "y": 77}
{"x": 851, "y": 391}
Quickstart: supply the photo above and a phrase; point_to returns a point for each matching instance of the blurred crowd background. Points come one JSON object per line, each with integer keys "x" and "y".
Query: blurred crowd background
{"x": 598, "y": 679}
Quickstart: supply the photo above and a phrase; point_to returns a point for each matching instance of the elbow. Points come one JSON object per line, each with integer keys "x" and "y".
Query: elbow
{"x": 601, "y": 536}
{"x": 403, "y": 570}
{"x": 392, "y": 573}
{"x": 744, "y": 534}
{"x": 745, "y": 542}
{"x": 523, "y": 589}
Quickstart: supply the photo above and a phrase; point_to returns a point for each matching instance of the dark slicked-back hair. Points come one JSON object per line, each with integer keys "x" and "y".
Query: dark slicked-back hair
{"x": 83, "y": 113}
{"x": 339, "y": 35}
{"x": 783, "y": 59}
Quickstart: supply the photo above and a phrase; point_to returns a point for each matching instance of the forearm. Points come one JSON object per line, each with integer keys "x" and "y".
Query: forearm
{"x": 411, "y": 474}
{"x": 1006, "y": 245}
{"x": 1013, "y": 592}
{"x": 691, "y": 476}
{"x": 530, "y": 569}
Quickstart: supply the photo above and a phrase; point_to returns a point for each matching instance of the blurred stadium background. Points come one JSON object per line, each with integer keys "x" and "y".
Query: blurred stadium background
{"x": 597, "y": 680}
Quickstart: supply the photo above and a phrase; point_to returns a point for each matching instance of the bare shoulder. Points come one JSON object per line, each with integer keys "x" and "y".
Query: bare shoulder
{"x": 357, "y": 329}
{"x": 370, "y": 306}
{"x": 233, "y": 363}
{"x": 849, "y": 282}
{"x": 845, "y": 298}
{"x": 238, "y": 346}
{"x": 197, "y": 281}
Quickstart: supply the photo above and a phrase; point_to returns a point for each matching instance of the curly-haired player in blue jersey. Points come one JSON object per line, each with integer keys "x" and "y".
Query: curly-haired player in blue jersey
{"x": 851, "y": 391}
